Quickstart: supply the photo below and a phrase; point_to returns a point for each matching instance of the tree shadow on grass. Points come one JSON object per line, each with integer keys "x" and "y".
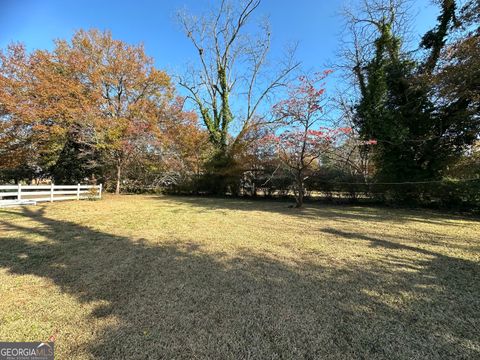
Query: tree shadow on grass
{"x": 176, "y": 300}
{"x": 337, "y": 212}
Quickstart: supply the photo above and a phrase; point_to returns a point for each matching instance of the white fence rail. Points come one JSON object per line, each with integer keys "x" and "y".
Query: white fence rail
{"x": 16, "y": 194}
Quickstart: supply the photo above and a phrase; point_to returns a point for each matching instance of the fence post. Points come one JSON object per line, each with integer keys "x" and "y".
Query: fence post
{"x": 19, "y": 195}
{"x": 78, "y": 191}
{"x": 100, "y": 191}
{"x": 52, "y": 189}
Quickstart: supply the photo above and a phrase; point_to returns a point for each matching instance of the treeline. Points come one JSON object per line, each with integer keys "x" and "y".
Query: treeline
{"x": 405, "y": 128}
{"x": 94, "y": 108}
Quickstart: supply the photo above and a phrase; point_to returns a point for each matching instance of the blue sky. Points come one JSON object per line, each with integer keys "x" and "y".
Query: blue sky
{"x": 314, "y": 23}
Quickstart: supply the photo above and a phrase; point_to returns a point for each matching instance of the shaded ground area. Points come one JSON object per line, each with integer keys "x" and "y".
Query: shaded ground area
{"x": 162, "y": 277}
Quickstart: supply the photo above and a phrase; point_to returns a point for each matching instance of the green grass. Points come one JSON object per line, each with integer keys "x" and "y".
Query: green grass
{"x": 139, "y": 277}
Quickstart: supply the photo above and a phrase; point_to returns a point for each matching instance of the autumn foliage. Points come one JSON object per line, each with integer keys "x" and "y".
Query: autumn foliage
{"x": 303, "y": 137}
{"x": 93, "y": 90}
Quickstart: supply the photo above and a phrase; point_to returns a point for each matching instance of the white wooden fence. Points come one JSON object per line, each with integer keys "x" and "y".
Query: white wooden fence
{"x": 30, "y": 194}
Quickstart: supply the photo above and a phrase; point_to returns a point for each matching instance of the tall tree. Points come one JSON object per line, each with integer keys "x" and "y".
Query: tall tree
{"x": 91, "y": 98}
{"x": 233, "y": 66}
{"x": 130, "y": 93}
{"x": 418, "y": 136}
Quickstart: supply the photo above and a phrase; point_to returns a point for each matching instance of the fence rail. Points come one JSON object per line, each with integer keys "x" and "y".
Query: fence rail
{"x": 17, "y": 194}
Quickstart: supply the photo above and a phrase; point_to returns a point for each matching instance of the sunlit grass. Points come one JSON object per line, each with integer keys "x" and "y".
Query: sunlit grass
{"x": 179, "y": 277}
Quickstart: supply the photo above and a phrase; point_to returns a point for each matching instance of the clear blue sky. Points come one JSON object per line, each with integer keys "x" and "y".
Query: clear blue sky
{"x": 314, "y": 23}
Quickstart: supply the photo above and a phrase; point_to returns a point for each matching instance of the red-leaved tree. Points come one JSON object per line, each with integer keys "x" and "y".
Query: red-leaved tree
{"x": 304, "y": 135}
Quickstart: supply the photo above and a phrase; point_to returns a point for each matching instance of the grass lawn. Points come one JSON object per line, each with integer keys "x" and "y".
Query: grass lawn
{"x": 137, "y": 277}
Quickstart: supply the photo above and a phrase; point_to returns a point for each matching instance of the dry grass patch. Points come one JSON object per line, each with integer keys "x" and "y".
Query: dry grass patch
{"x": 165, "y": 277}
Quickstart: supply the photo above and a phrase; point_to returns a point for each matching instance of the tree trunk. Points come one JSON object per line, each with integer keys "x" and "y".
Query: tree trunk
{"x": 119, "y": 175}
{"x": 300, "y": 192}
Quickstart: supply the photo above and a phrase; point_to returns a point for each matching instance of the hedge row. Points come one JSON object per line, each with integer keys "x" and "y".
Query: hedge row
{"x": 447, "y": 194}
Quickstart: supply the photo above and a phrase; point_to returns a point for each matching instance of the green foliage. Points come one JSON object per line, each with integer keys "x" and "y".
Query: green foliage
{"x": 222, "y": 175}
{"x": 434, "y": 40}
{"x": 418, "y": 136}
{"x": 78, "y": 159}
{"x": 21, "y": 173}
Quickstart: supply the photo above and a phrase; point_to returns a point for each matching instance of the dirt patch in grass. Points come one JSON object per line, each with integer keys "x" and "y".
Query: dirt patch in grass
{"x": 162, "y": 277}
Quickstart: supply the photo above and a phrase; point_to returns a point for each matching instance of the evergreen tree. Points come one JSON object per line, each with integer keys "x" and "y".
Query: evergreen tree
{"x": 78, "y": 160}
